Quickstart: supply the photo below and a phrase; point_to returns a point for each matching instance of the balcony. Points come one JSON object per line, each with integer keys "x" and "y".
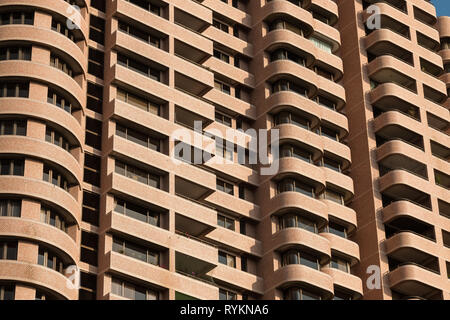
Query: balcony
{"x": 400, "y": 162}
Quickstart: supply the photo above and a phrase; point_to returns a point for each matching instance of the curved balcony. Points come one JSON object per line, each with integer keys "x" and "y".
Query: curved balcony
{"x": 346, "y": 281}
{"x": 390, "y": 69}
{"x": 340, "y": 181}
{"x": 288, "y": 238}
{"x": 44, "y": 74}
{"x": 302, "y": 275}
{"x": 407, "y": 209}
{"x": 304, "y": 171}
{"x": 296, "y": 133}
{"x": 344, "y": 246}
{"x": 37, "y": 276}
{"x": 38, "y": 232}
{"x": 45, "y": 37}
{"x": 330, "y": 9}
{"x": 413, "y": 280}
{"x": 44, "y": 191}
{"x": 346, "y": 215}
{"x": 62, "y": 8}
{"x": 282, "y": 37}
{"x": 285, "y": 8}
{"x": 295, "y": 200}
{"x": 45, "y": 112}
{"x": 443, "y": 26}
{"x": 402, "y": 151}
{"x": 409, "y": 246}
{"x": 46, "y": 151}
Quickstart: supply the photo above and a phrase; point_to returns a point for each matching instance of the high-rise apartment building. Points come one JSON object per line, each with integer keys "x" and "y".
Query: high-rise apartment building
{"x": 98, "y": 96}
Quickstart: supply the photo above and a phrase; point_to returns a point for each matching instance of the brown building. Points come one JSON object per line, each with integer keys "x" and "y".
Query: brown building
{"x": 90, "y": 102}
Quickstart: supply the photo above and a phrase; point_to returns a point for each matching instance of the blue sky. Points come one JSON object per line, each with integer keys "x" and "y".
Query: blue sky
{"x": 442, "y": 7}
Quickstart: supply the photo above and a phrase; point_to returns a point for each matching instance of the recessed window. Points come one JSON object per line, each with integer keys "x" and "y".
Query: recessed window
{"x": 15, "y": 53}
{"x": 225, "y": 222}
{"x": 292, "y": 185}
{"x": 54, "y": 177}
{"x": 139, "y": 102}
{"x": 292, "y": 220}
{"x": 10, "y": 208}
{"x": 297, "y": 257}
{"x": 296, "y": 293}
{"x": 13, "y": 127}
{"x": 138, "y": 137}
{"x": 223, "y": 119}
{"x": 286, "y": 85}
{"x": 340, "y": 264}
{"x": 59, "y": 101}
{"x": 61, "y": 27}
{"x": 56, "y": 138}
{"x": 51, "y": 217}
{"x": 136, "y": 251}
{"x": 227, "y": 295}
{"x": 221, "y": 56}
{"x": 140, "y": 34}
{"x": 60, "y": 64}
{"x": 137, "y": 212}
{"x": 334, "y": 196}
{"x": 132, "y": 291}
{"x": 289, "y": 151}
{"x": 14, "y": 90}
{"x": 8, "y": 250}
{"x": 225, "y": 88}
{"x": 92, "y": 165}
{"x": 89, "y": 248}
{"x": 7, "y": 292}
{"x": 337, "y": 229}
{"x": 93, "y": 136}
{"x": 221, "y": 25}
{"x": 139, "y": 67}
{"x": 224, "y": 187}
{"x": 227, "y": 259}
{"x": 50, "y": 260}
{"x": 137, "y": 174}
{"x": 12, "y": 167}
{"x": 147, "y": 5}
{"x": 17, "y": 18}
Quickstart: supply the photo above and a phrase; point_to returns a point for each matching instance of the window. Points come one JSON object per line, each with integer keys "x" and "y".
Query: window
{"x": 223, "y": 150}
{"x": 147, "y": 5}
{"x": 17, "y": 18}
{"x": 59, "y": 101}
{"x": 225, "y": 222}
{"x": 91, "y": 207}
{"x": 227, "y": 295}
{"x": 61, "y": 65}
{"x": 48, "y": 259}
{"x": 326, "y": 102}
{"x": 224, "y": 187}
{"x": 293, "y": 220}
{"x": 140, "y": 34}
{"x": 137, "y": 174}
{"x": 139, "y": 67}
{"x": 325, "y": 46}
{"x": 221, "y": 56}
{"x": 95, "y": 63}
{"x": 61, "y": 28}
{"x": 289, "y": 185}
{"x": 334, "y": 196}
{"x": 137, "y": 212}
{"x": 52, "y": 218}
{"x": 15, "y": 53}
{"x": 297, "y": 257}
{"x": 55, "y": 178}
{"x": 93, "y": 136}
{"x": 331, "y": 164}
{"x": 8, "y": 250}
{"x": 139, "y": 102}
{"x": 89, "y": 245}
{"x": 92, "y": 169}
{"x": 337, "y": 229}
{"x": 135, "y": 251}
{"x": 223, "y": 119}
{"x": 283, "y": 54}
{"x": 288, "y": 117}
{"x": 88, "y": 286}
{"x": 329, "y": 133}
{"x": 137, "y": 137}
{"x": 227, "y": 259}
{"x": 221, "y": 25}
{"x": 94, "y": 97}
{"x": 11, "y": 167}
{"x": 14, "y": 90}
{"x": 132, "y": 291}
{"x": 286, "y": 85}
{"x": 97, "y": 29}
{"x": 340, "y": 264}
{"x": 54, "y": 137}
{"x": 296, "y": 293}
{"x": 10, "y": 208}
{"x": 13, "y": 127}
{"x": 7, "y": 292}
{"x": 288, "y": 151}
{"x": 222, "y": 87}
{"x": 280, "y": 24}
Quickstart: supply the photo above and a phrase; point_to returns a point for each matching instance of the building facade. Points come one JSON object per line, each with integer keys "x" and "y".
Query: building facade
{"x": 97, "y": 176}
